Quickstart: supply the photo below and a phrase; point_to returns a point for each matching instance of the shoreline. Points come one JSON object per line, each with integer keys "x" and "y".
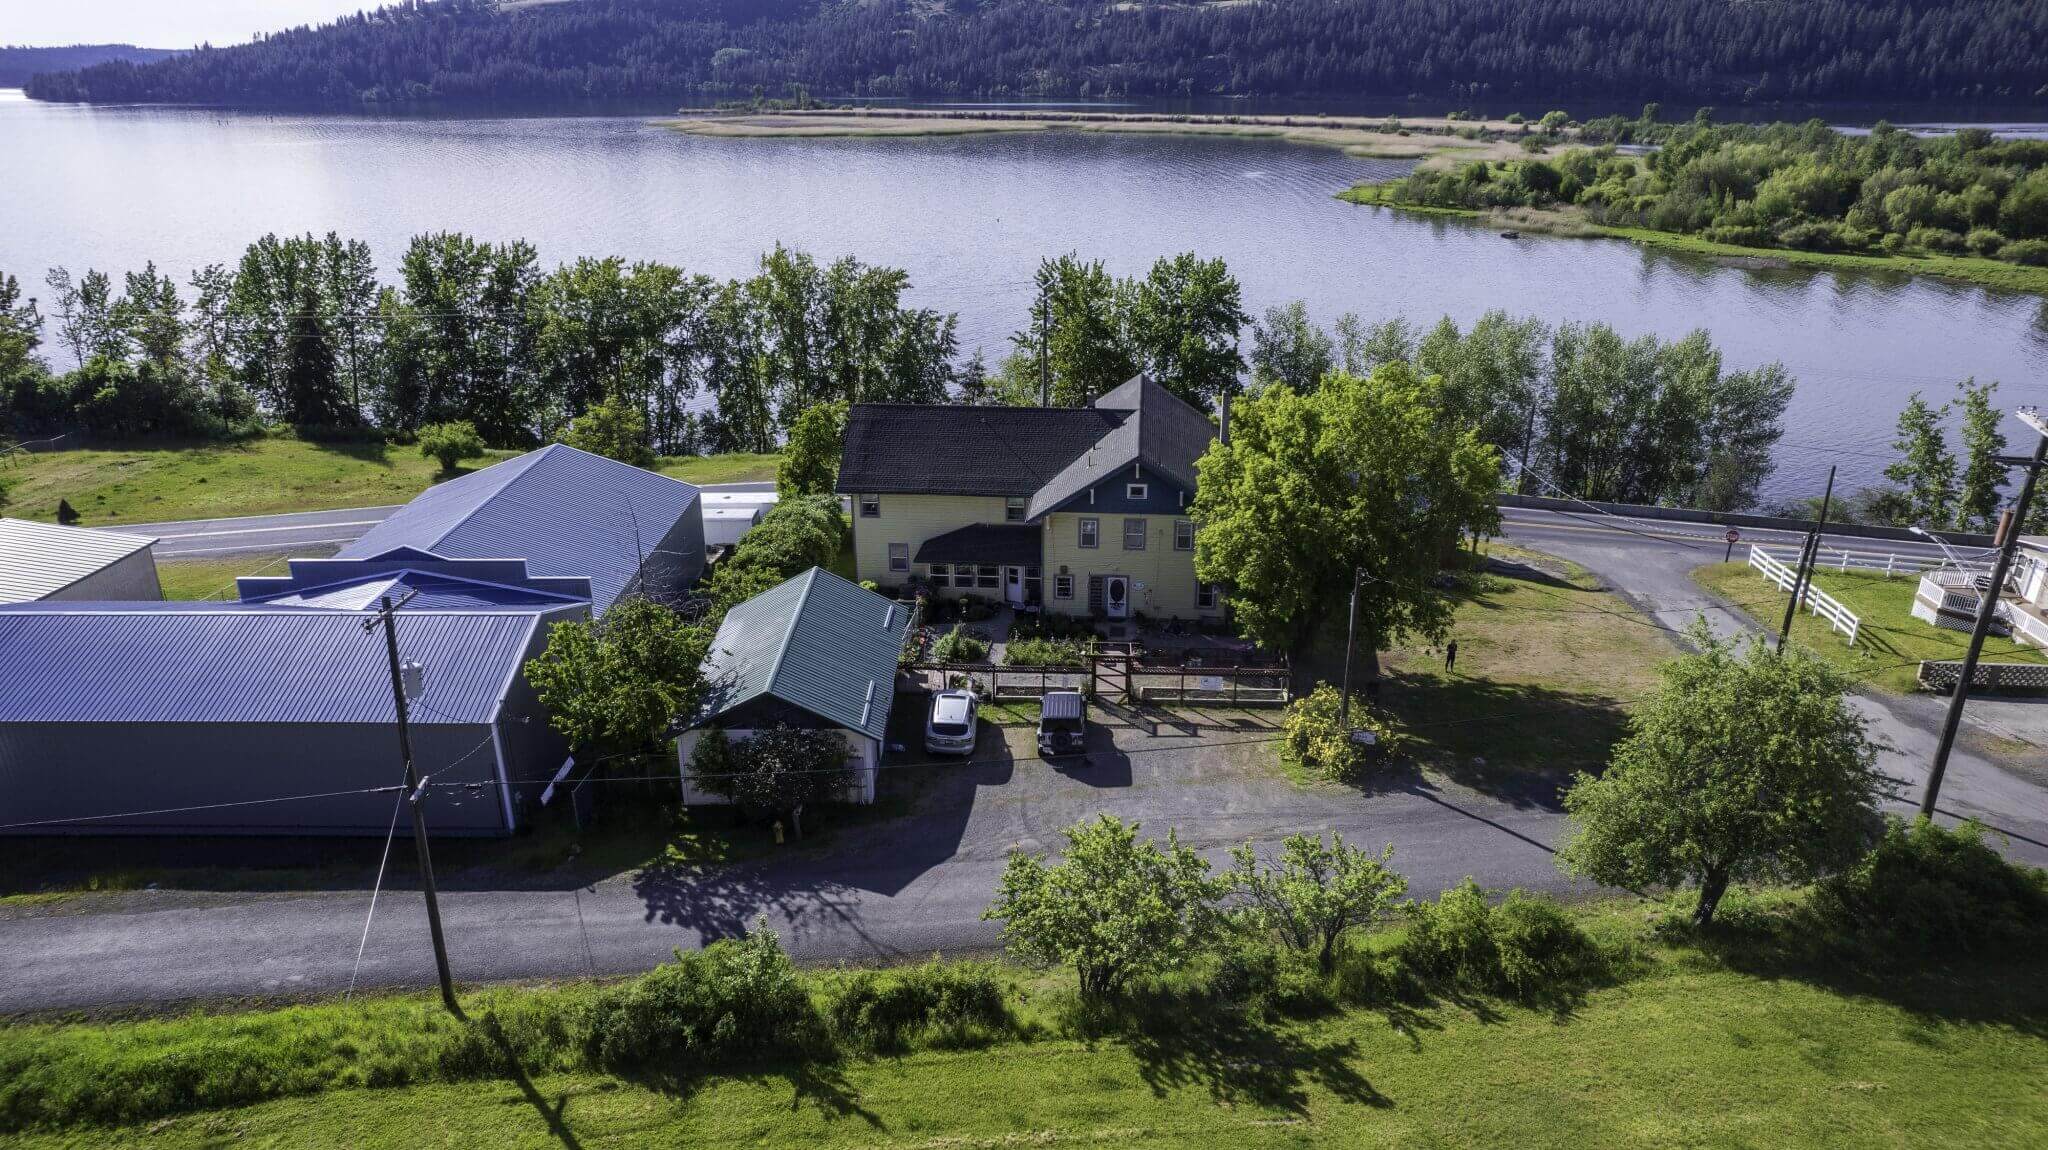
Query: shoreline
{"x": 1428, "y": 139}
{"x": 1973, "y": 270}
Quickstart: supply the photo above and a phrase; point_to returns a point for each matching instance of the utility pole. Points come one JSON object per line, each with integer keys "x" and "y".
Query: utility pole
{"x": 1350, "y": 639}
{"x": 415, "y": 793}
{"x": 1987, "y": 607}
{"x": 1807, "y": 554}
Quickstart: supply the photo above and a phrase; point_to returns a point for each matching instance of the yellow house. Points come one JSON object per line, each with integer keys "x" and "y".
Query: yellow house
{"x": 1073, "y": 510}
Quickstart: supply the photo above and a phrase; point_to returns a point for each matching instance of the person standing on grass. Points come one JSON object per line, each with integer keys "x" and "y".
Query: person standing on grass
{"x": 1450, "y": 656}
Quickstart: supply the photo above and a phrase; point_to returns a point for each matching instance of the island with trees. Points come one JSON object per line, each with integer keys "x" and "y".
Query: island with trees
{"x": 1966, "y": 204}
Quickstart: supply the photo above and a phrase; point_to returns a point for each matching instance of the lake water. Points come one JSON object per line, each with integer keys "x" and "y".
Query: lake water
{"x": 969, "y": 217}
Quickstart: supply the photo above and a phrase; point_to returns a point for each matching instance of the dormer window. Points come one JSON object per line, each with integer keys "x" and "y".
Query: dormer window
{"x": 1136, "y": 492}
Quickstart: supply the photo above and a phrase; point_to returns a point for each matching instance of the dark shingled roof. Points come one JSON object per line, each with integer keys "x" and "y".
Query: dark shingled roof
{"x": 1162, "y": 432}
{"x": 955, "y": 449}
{"x": 1011, "y": 544}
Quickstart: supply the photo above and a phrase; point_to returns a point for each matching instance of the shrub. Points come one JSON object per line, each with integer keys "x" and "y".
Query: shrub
{"x": 2032, "y": 253}
{"x": 1935, "y": 239}
{"x": 1745, "y": 236}
{"x": 450, "y": 443}
{"x": 1538, "y": 947}
{"x": 615, "y": 428}
{"x": 1315, "y": 892}
{"x": 931, "y": 1005}
{"x": 1526, "y": 947}
{"x": 1312, "y": 739}
{"x": 736, "y": 1000}
{"x": 957, "y": 646}
{"x": 1045, "y": 652}
{"x": 1985, "y": 242}
{"x": 1928, "y": 892}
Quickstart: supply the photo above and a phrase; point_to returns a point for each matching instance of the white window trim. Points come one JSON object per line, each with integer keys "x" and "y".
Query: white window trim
{"x": 1081, "y": 533}
{"x": 1177, "y": 525}
{"x": 1144, "y": 529}
{"x": 896, "y": 566}
{"x": 1063, "y": 586}
{"x": 1015, "y": 508}
{"x": 865, "y": 502}
{"x": 1138, "y": 491}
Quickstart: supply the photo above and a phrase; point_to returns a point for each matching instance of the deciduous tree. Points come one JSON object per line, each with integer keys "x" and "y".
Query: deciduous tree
{"x": 1114, "y": 908}
{"x": 1747, "y": 765}
{"x": 1926, "y": 468}
{"x": 1316, "y": 891}
{"x": 1358, "y": 477}
{"x": 1983, "y": 476}
{"x": 619, "y": 683}
{"x": 1184, "y": 321}
{"x": 810, "y": 465}
{"x": 777, "y": 769}
{"x": 615, "y": 429}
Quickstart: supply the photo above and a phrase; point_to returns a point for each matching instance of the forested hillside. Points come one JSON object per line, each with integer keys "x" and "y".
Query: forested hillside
{"x": 1472, "y": 50}
{"x": 18, "y": 64}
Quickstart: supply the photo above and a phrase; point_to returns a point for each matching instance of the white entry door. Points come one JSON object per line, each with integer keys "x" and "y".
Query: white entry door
{"x": 1116, "y": 596}
{"x": 1013, "y": 586}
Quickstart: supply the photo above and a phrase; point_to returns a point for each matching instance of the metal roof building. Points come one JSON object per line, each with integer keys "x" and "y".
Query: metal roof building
{"x": 567, "y": 513}
{"x": 220, "y": 718}
{"x": 45, "y": 561}
{"x": 815, "y": 651}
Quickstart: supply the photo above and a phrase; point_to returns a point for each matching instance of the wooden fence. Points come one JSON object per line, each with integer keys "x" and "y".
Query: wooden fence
{"x": 1115, "y": 676}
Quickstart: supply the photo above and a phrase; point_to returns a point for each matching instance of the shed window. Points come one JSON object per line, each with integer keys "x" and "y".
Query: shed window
{"x": 1063, "y": 586}
{"x": 1134, "y": 534}
{"x": 1091, "y": 532}
{"x": 1183, "y": 535}
{"x": 942, "y": 575}
{"x": 899, "y": 557}
{"x": 1136, "y": 491}
{"x": 870, "y": 507}
{"x": 1014, "y": 508}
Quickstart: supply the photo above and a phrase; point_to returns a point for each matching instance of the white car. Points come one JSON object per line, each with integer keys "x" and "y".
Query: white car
{"x": 949, "y": 729}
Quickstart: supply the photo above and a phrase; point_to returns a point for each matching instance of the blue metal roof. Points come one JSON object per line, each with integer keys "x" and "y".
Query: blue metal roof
{"x": 243, "y": 663}
{"x": 817, "y": 642}
{"x": 564, "y": 511}
{"x": 327, "y": 579}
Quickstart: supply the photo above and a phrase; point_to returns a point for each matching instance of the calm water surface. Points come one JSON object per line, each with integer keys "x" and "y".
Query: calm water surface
{"x": 970, "y": 217}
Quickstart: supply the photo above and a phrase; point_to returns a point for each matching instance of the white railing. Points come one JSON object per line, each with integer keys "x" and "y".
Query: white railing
{"x": 1819, "y": 602}
{"x": 2027, "y": 625}
{"x": 1948, "y": 598}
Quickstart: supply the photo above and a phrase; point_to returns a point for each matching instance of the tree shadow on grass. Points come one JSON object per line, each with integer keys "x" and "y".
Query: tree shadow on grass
{"x": 1798, "y": 945}
{"x": 1236, "y": 1055}
{"x": 555, "y": 1115}
{"x": 1516, "y": 742}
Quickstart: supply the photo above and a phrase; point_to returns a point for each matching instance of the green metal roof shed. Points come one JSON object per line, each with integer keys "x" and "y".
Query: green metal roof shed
{"x": 817, "y": 643}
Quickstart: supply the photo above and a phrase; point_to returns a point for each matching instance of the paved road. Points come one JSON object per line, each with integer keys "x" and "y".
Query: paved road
{"x": 876, "y": 892}
{"x": 201, "y": 538}
{"x": 880, "y": 891}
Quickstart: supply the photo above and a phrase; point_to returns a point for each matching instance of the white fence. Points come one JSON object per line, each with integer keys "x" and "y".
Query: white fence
{"x": 1841, "y": 559}
{"x": 1819, "y": 602}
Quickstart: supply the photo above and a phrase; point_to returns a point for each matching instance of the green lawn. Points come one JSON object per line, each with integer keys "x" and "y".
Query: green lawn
{"x": 1890, "y": 643}
{"x": 1548, "y": 662}
{"x": 110, "y": 486}
{"x": 1973, "y": 269}
{"x": 1690, "y": 1051}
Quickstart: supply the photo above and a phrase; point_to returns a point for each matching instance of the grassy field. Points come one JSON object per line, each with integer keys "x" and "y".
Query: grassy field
{"x": 1696, "y": 1048}
{"x": 1890, "y": 643}
{"x": 1972, "y": 269}
{"x": 1547, "y": 665}
{"x": 111, "y": 486}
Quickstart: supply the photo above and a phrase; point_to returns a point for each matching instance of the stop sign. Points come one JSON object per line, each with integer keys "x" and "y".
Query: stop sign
{"x": 1733, "y": 536}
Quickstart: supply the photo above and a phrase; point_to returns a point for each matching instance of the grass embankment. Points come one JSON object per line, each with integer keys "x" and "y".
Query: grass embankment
{"x": 1570, "y": 222}
{"x": 1548, "y": 662}
{"x": 1693, "y": 1046}
{"x": 1426, "y": 138}
{"x": 155, "y": 483}
{"x": 1890, "y": 643}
